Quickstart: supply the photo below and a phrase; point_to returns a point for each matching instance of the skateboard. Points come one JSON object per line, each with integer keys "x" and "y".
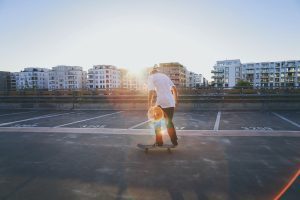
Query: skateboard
{"x": 147, "y": 147}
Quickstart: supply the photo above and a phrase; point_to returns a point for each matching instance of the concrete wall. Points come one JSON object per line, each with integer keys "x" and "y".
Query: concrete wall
{"x": 186, "y": 103}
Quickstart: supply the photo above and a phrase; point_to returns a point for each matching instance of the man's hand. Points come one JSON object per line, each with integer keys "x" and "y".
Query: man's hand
{"x": 175, "y": 95}
{"x": 176, "y": 102}
{"x": 150, "y": 98}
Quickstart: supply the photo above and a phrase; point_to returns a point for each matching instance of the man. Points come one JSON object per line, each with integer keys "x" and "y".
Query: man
{"x": 166, "y": 98}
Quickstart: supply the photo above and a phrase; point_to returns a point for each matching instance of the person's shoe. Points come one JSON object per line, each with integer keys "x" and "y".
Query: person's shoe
{"x": 175, "y": 143}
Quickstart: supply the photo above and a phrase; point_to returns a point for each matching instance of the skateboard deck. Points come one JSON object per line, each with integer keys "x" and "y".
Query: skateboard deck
{"x": 147, "y": 147}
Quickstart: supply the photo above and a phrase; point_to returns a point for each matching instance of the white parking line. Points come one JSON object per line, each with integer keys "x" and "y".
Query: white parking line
{"x": 87, "y": 119}
{"x": 285, "y": 119}
{"x": 33, "y": 118}
{"x": 137, "y": 125}
{"x": 217, "y": 123}
{"x": 16, "y": 113}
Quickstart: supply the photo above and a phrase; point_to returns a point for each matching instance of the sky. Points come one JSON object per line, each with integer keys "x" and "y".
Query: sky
{"x": 135, "y": 34}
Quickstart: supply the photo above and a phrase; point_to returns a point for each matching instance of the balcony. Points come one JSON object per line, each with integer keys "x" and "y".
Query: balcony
{"x": 290, "y": 80}
{"x": 264, "y": 77}
{"x": 264, "y": 81}
{"x": 217, "y": 71}
{"x": 266, "y": 71}
{"x": 218, "y": 77}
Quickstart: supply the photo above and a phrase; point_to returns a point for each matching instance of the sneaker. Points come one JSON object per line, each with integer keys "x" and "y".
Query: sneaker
{"x": 175, "y": 143}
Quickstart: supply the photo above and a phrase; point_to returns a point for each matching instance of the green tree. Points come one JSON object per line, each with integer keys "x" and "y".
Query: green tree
{"x": 243, "y": 84}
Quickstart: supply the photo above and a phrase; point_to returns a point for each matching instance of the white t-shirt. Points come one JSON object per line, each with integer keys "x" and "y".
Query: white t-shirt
{"x": 162, "y": 84}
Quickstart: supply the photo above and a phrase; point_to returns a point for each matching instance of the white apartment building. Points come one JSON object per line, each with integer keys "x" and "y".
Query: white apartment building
{"x": 262, "y": 74}
{"x": 226, "y": 73}
{"x": 190, "y": 79}
{"x": 67, "y": 77}
{"x": 199, "y": 80}
{"x": 31, "y": 78}
{"x": 103, "y": 77}
{"x": 193, "y": 80}
{"x": 272, "y": 74}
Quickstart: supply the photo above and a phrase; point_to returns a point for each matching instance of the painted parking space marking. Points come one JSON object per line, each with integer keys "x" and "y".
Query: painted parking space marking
{"x": 124, "y": 120}
{"x": 26, "y": 125}
{"x": 255, "y": 120}
{"x": 217, "y": 123}
{"x": 16, "y": 113}
{"x": 88, "y": 119}
{"x": 56, "y": 121}
{"x": 287, "y": 120}
{"x": 93, "y": 126}
{"x": 137, "y": 125}
{"x": 34, "y": 118}
{"x": 257, "y": 128}
{"x": 204, "y": 120}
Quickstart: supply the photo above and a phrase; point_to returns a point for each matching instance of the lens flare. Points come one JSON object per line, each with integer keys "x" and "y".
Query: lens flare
{"x": 155, "y": 114}
{"x": 288, "y": 185}
{"x": 163, "y": 131}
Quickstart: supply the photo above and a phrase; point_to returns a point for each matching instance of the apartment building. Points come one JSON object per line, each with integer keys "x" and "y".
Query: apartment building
{"x": 176, "y": 72}
{"x": 67, "y": 77}
{"x": 5, "y": 81}
{"x": 204, "y": 82}
{"x": 31, "y": 78}
{"x": 262, "y": 74}
{"x": 193, "y": 80}
{"x": 272, "y": 74}
{"x": 226, "y": 73}
{"x": 104, "y": 77}
{"x": 13, "y": 82}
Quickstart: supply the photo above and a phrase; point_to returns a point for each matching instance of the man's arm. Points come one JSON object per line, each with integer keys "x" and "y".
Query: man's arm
{"x": 151, "y": 95}
{"x": 175, "y": 95}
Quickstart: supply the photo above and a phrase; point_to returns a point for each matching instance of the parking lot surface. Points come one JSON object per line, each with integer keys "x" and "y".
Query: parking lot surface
{"x": 89, "y": 154}
{"x": 198, "y": 120}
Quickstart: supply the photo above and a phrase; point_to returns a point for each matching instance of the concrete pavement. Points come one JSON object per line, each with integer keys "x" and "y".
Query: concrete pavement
{"x": 88, "y": 165}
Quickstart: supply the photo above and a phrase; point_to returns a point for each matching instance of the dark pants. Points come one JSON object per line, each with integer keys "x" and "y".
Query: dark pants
{"x": 168, "y": 115}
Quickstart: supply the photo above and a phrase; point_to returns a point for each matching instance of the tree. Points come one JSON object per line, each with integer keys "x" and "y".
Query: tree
{"x": 243, "y": 84}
